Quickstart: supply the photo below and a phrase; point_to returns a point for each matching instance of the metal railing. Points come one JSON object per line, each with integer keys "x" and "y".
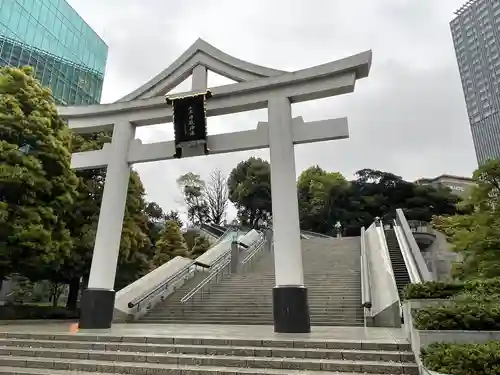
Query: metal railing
{"x": 218, "y": 274}
{"x": 182, "y": 273}
{"x": 249, "y": 260}
{"x": 314, "y": 234}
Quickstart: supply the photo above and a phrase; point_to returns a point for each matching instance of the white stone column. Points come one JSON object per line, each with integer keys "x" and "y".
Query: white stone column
{"x": 286, "y": 228}
{"x": 290, "y": 305}
{"x": 98, "y": 299}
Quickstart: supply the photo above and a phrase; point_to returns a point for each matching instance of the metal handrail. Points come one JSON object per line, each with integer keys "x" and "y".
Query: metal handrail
{"x": 138, "y": 300}
{"x": 208, "y": 227}
{"x": 366, "y": 299}
{"x": 216, "y": 272}
{"x": 315, "y": 234}
{"x": 174, "y": 278}
{"x": 219, "y": 240}
{"x": 213, "y": 275}
{"x": 251, "y": 256}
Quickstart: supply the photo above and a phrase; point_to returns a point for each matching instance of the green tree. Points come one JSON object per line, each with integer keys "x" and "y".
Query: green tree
{"x": 319, "y": 192}
{"x": 154, "y": 212}
{"x": 193, "y": 191}
{"x": 201, "y": 245}
{"x": 37, "y": 185}
{"x": 377, "y": 193}
{"x": 250, "y": 191}
{"x": 476, "y": 235}
{"x": 170, "y": 244}
{"x": 174, "y": 216}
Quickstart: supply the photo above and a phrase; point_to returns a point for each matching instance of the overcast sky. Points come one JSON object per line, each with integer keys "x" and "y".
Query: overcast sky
{"x": 408, "y": 117}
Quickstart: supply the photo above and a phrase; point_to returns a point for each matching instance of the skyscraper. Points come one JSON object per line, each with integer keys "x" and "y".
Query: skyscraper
{"x": 476, "y": 37}
{"x": 49, "y": 35}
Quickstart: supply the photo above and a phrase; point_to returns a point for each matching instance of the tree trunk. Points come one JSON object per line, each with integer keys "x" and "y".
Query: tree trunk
{"x": 74, "y": 289}
{"x": 54, "y": 296}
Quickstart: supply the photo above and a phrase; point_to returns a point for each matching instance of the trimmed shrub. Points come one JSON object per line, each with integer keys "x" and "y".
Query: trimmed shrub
{"x": 462, "y": 359}
{"x": 440, "y": 290}
{"x": 432, "y": 290}
{"x": 471, "y": 297}
{"x": 470, "y": 316}
{"x": 483, "y": 287}
{"x": 30, "y": 312}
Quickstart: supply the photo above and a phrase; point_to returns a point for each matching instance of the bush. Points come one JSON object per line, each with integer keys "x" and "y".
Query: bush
{"x": 432, "y": 290}
{"x": 440, "y": 290}
{"x": 471, "y": 297}
{"x": 470, "y": 316}
{"x": 483, "y": 287}
{"x": 460, "y": 359}
{"x": 26, "y": 312}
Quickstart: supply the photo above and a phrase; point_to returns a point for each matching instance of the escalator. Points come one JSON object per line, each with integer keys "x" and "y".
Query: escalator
{"x": 398, "y": 264}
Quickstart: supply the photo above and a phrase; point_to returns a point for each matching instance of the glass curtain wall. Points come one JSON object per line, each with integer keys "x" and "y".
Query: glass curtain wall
{"x": 67, "y": 55}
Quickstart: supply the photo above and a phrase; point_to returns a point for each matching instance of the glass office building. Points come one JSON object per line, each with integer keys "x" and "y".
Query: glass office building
{"x": 476, "y": 37}
{"x": 49, "y": 35}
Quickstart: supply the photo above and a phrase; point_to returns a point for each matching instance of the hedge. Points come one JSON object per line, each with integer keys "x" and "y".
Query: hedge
{"x": 469, "y": 316}
{"x": 432, "y": 290}
{"x": 20, "y": 312}
{"x": 440, "y": 290}
{"x": 461, "y": 359}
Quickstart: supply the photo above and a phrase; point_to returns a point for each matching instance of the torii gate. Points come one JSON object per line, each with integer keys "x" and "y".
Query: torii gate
{"x": 258, "y": 87}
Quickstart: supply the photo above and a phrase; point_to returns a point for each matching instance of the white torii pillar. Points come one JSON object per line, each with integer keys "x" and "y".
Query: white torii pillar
{"x": 290, "y": 303}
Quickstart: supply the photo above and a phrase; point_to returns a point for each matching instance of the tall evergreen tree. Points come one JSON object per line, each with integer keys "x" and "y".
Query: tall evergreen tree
{"x": 170, "y": 244}
{"x": 37, "y": 185}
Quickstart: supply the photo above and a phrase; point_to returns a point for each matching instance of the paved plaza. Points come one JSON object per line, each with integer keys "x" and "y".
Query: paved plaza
{"x": 344, "y": 334}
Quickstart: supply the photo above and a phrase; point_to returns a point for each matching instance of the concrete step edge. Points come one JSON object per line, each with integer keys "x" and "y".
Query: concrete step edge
{"x": 4, "y": 370}
{"x": 133, "y": 358}
{"x": 152, "y": 348}
{"x": 154, "y": 340}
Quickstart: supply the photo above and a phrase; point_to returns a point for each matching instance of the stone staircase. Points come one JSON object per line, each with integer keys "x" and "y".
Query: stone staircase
{"x": 78, "y": 354}
{"x": 332, "y": 276}
{"x": 397, "y": 261}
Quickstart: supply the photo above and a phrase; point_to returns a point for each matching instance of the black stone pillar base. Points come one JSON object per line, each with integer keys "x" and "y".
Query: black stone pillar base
{"x": 96, "y": 309}
{"x": 291, "y": 310}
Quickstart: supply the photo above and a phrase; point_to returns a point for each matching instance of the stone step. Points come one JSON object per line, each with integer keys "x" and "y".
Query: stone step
{"x": 242, "y": 294}
{"x": 207, "y": 341}
{"x": 173, "y": 370}
{"x": 114, "y": 361}
{"x": 247, "y": 351}
{"x": 321, "y": 305}
{"x": 209, "y": 299}
{"x": 267, "y": 293}
{"x": 234, "y": 319}
{"x": 199, "y": 320}
{"x": 205, "y": 305}
{"x": 332, "y": 281}
{"x": 242, "y": 314}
